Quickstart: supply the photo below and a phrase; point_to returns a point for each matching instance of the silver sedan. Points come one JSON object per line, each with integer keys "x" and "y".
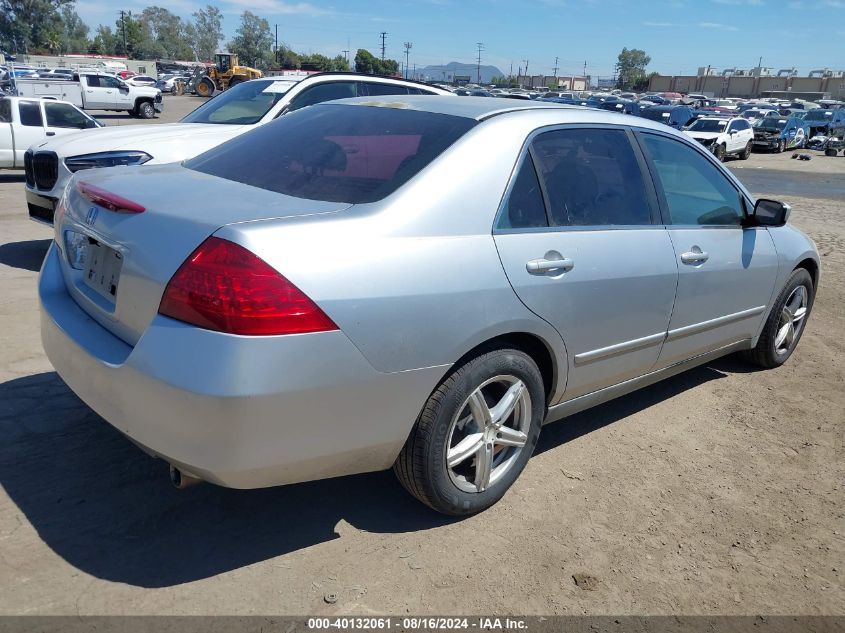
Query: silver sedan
{"x": 415, "y": 282}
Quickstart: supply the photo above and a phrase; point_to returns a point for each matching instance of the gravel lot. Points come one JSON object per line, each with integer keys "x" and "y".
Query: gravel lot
{"x": 719, "y": 491}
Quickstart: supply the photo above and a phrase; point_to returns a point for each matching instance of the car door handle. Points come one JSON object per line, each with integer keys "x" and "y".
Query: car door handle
{"x": 51, "y": 133}
{"x": 694, "y": 257}
{"x": 545, "y": 265}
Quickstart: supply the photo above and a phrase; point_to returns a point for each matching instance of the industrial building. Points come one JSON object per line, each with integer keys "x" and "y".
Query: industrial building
{"x": 759, "y": 82}
{"x": 569, "y": 82}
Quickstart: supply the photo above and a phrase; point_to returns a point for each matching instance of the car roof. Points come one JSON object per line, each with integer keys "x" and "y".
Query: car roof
{"x": 484, "y": 108}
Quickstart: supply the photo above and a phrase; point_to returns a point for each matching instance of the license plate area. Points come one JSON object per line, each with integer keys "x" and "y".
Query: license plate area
{"x": 102, "y": 270}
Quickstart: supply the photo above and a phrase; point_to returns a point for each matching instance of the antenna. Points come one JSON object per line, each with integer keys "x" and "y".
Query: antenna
{"x": 383, "y": 37}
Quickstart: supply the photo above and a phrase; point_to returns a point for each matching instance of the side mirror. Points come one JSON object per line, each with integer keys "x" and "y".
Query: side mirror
{"x": 770, "y": 213}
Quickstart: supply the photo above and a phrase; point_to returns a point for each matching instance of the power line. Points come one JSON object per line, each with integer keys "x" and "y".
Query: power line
{"x": 480, "y": 46}
{"x": 408, "y": 47}
{"x": 383, "y": 37}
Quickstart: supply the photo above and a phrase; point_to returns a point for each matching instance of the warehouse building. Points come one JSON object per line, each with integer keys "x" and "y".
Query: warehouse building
{"x": 755, "y": 83}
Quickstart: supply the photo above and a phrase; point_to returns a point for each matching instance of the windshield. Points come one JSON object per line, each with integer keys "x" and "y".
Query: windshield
{"x": 245, "y": 104}
{"x": 818, "y": 115}
{"x": 335, "y": 153}
{"x": 770, "y": 123}
{"x": 708, "y": 125}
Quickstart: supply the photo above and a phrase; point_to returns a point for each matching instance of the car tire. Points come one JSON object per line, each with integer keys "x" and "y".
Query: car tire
{"x": 781, "y": 146}
{"x": 746, "y": 153}
{"x": 454, "y": 480}
{"x": 830, "y": 152}
{"x": 133, "y": 112}
{"x": 235, "y": 81}
{"x": 146, "y": 110}
{"x": 719, "y": 152}
{"x": 205, "y": 87}
{"x": 786, "y": 322}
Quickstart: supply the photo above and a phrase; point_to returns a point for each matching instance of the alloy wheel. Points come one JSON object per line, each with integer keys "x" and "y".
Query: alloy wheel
{"x": 791, "y": 320}
{"x": 488, "y": 433}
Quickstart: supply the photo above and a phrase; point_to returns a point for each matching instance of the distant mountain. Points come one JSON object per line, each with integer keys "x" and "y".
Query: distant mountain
{"x": 450, "y": 70}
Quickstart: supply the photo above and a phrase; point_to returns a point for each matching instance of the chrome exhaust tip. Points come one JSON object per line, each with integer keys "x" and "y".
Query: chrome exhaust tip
{"x": 181, "y": 479}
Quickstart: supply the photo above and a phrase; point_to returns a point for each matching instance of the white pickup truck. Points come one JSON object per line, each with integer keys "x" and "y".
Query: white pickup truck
{"x": 96, "y": 91}
{"x": 25, "y": 122}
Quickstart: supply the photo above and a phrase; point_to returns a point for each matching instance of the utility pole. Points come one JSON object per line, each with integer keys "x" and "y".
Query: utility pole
{"x": 555, "y": 70}
{"x": 408, "y": 47}
{"x": 480, "y": 46}
{"x": 526, "y": 67}
{"x": 383, "y": 37}
{"x": 123, "y": 28}
{"x": 346, "y": 54}
{"x": 277, "y": 44}
{"x": 585, "y": 69}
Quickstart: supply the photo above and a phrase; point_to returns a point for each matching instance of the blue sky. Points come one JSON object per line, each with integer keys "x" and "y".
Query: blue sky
{"x": 679, "y": 35}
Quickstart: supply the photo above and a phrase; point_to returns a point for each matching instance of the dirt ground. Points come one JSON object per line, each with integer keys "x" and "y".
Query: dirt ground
{"x": 719, "y": 491}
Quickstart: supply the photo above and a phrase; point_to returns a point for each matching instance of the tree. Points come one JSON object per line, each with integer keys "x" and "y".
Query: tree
{"x": 253, "y": 41}
{"x": 104, "y": 42}
{"x": 207, "y": 32}
{"x": 134, "y": 37}
{"x": 164, "y": 33}
{"x": 73, "y": 33}
{"x": 631, "y": 66}
{"x": 26, "y": 24}
{"x": 366, "y": 62}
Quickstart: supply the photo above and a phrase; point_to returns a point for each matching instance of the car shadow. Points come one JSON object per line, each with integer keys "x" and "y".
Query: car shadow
{"x": 12, "y": 177}
{"x": 611, "y": 412}
{"x": 108, "y": 509}
{"x": 27, "y": 255}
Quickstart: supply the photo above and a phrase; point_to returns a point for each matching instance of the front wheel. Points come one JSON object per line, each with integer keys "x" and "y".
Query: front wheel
{"x": 785, "y": 325}
{"x": 146, "y": 110}
{"x": 475, "y": 433}
{"x": 719, "y": 152}
{"x": 781, "y": 146}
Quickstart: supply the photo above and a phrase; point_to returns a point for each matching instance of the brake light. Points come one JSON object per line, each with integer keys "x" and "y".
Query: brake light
{"x": 107, "y": 199}
{"x": 224, "y": 287}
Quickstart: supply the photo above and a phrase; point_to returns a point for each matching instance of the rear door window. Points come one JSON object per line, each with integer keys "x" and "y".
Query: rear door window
{"x": 374, "y": 89}
{"x": 524, "y": 208}
{"x": 324, "y": 92}
{"x": 335, "y": 153}
{"x": 592, "y": 178}
{"x": 5, "y": 111}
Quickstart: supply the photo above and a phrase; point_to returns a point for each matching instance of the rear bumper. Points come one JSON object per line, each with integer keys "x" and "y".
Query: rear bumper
{"x": 242, "y": 412}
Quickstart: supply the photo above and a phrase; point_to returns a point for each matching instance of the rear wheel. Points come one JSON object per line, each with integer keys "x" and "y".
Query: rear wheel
{"x": 785, "y": 325}
{"x": 746, "y": 153}
{"x": 475, "y": 434}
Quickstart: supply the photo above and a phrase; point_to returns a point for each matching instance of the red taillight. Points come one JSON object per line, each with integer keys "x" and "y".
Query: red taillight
{"x": 224, "y": 287}
{"x": 107, "y": 199}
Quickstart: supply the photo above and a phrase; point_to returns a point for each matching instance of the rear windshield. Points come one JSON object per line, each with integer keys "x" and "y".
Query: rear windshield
{"x": 335, "y": 153}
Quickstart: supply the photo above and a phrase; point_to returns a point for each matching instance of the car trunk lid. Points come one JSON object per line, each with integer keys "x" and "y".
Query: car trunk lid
{"x": 127, "y": 230}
